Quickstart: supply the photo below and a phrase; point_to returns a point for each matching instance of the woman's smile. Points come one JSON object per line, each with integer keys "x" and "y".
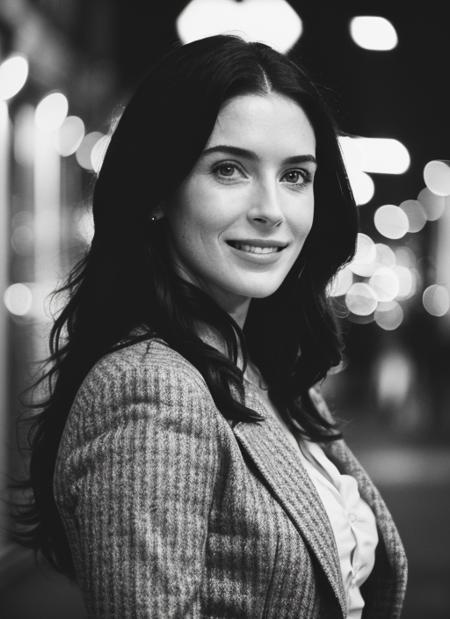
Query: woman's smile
{"x": 257, "y": 254}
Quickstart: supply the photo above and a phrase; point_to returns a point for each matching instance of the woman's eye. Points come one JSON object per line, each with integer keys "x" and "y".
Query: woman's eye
{"x": 227, "y": 170}
{"x": 297, "y": 177}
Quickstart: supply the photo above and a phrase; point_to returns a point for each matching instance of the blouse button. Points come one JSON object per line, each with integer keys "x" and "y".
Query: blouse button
{"x": 352, "y": 517}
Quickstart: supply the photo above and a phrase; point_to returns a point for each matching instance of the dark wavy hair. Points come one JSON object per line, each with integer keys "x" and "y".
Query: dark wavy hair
{"x": 126, "y": 279}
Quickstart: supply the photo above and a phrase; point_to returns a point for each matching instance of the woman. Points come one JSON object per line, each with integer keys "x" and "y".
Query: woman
{"x": 184, "y": 465}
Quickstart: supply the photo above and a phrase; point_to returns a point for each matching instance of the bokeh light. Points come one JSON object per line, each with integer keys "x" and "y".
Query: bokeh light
{"x": 415, "y": 213}
{"x": 385, "y": 306}
{"x": 436, "y": 300}
{"x": 18, "y": 299}
{"x": 69, "y": 136}
{"x": 406, "y": 281}
{"x": 363, "y": 262}
{"x": 391, "y": 221}
{"x": 270, "y": 21}
{"x": 384, "y": 255}
{"x": 383, "y": 155}
{"x": 98, "y": 152}
{"x": 22, "y": 239}
{"x": 374, "y": 155}
{"x": 351, "y": 153}
{"x": 433, "y": 204}
{"x": 85, "y": 226}
{"x": 361, "y": 183}
{"x": 362, "y": 186}
{"x": 51, "y": 112}
{"x": 437, "y": 177}
{"x": 384, "y": 282}
{"x": 24, "y": 135}
{"x": 22, "y": 233}
{"x": 389, "y": 316}
{"x": 373, "y": 32}
{"x": 13, "y": 75}
{"x": 341, "y": 282}
{"x": 394, "y": 376}
{"x": 84, "y": 151}
{"x": 405, "y": 256}
{"x": 360, "y": 299}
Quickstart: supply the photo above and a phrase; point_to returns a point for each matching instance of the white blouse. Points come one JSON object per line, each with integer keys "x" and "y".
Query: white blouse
{"x": 352, "y": 521}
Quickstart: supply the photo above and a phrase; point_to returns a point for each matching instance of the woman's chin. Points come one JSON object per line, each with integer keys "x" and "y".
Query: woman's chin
{"x": 263, "y": 291}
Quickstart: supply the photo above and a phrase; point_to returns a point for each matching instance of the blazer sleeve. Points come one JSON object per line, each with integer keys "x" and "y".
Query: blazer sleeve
{"x": 140, "y": 474}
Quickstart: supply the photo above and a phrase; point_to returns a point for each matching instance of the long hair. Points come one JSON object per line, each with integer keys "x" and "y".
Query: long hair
{"x": 126, "y": 279}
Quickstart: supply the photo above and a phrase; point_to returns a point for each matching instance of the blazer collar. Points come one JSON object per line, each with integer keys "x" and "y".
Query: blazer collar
{"x": 278, "y": 463}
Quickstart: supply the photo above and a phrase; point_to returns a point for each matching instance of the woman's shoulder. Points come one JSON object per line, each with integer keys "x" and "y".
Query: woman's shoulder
{"x": 144, "y": 396}
{"x": 140, "y": 362}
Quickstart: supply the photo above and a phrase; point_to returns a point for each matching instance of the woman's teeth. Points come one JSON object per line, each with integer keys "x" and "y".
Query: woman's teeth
{"x": 254, "y": 249}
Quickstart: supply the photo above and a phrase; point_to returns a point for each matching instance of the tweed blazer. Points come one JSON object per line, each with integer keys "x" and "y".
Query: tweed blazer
{"x": 172, "y": 511}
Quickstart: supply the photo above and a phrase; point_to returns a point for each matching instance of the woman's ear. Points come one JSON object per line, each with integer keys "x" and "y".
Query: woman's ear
{"x": 157, "y": 214}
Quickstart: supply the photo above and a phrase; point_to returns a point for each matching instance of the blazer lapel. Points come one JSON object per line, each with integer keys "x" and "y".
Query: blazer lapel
{"x": 347, "y": 463}
{"x": 278, "y": 463}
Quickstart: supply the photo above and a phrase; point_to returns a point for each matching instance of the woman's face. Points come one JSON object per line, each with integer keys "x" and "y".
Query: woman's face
{"x": 239, "y": 220}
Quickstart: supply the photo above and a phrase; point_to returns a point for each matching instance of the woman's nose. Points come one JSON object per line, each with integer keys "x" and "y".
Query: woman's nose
{"x": 265, "y": 207}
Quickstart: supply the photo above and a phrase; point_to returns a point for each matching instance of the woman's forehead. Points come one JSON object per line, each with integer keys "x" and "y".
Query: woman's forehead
{"x": 263, "y": 122}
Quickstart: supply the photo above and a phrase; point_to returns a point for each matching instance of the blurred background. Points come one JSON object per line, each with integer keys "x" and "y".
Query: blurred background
{"x": 67, "y": 68}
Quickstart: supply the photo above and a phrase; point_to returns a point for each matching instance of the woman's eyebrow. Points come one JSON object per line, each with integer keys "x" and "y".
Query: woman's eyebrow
{"x": 249, "y": 154}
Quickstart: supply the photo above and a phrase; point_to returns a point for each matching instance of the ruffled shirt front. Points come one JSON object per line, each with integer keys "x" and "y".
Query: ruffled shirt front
{"x": 351, "y": 519}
